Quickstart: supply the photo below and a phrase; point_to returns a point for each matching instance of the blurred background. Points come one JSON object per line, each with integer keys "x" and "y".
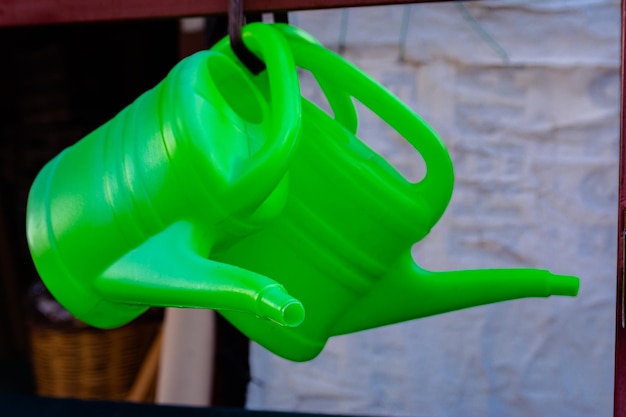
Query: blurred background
{"x": 524, "y": 93}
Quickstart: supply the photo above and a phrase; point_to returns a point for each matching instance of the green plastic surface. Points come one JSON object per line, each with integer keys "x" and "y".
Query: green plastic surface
{"x": 220, "y": 189}
{"x": 128, "y": 217}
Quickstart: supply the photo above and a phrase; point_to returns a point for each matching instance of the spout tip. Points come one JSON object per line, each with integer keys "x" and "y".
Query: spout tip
{"x": 564, "y": 285}
{"x": 293, "y": 314}
{"x": 277, "y": 305}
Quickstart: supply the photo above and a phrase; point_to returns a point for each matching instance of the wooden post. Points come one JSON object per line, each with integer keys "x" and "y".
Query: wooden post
{"x": 187, "y": 351}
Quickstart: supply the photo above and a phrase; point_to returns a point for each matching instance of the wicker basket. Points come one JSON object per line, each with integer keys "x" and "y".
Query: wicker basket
{"x": 89, "y": 363}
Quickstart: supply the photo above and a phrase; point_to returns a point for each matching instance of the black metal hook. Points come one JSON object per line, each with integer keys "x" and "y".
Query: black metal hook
{"x": 236, "y": 21}
{"x": 281, "y": 17}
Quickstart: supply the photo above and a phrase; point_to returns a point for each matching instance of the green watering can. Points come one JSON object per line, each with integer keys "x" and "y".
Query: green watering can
{"x": 255, "y": 208}
{"x": 342, "y": 245}
{"x": 128, "y": 217}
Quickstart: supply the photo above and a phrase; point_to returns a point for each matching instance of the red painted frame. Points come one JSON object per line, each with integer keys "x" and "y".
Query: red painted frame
{"x": 38, "y": 12}
{"x": 620, "y": 310}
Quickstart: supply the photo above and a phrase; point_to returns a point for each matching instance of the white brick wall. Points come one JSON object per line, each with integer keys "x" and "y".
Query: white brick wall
{"x": 530, "y": 114}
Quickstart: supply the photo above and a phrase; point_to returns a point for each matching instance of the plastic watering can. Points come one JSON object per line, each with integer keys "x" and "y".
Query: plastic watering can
{"x": 220, "y": 189}
{"x": 128, "y": 217}
{"x": 342, "y": 245}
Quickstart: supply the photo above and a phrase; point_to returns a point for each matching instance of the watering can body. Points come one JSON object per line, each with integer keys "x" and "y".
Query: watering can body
{"x": 127, "y": 217}
{"x": 347, "y": 220}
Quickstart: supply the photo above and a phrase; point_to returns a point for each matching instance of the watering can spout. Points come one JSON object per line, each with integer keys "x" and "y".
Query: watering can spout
{"x": 566, "y": 285}
{"x": 409, "y": 292}
{"x": 170, "y": 270}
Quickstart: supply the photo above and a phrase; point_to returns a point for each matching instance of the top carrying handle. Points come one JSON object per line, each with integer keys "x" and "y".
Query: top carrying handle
{"x": 340, "y": 102}
{"x": 346, "y": 80}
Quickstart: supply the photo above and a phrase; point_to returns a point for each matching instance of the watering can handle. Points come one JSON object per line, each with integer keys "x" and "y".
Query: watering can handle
{"x": 270, "y": 162}
{"x": 340, "y": 102}
{"x": 345, "y": 80}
